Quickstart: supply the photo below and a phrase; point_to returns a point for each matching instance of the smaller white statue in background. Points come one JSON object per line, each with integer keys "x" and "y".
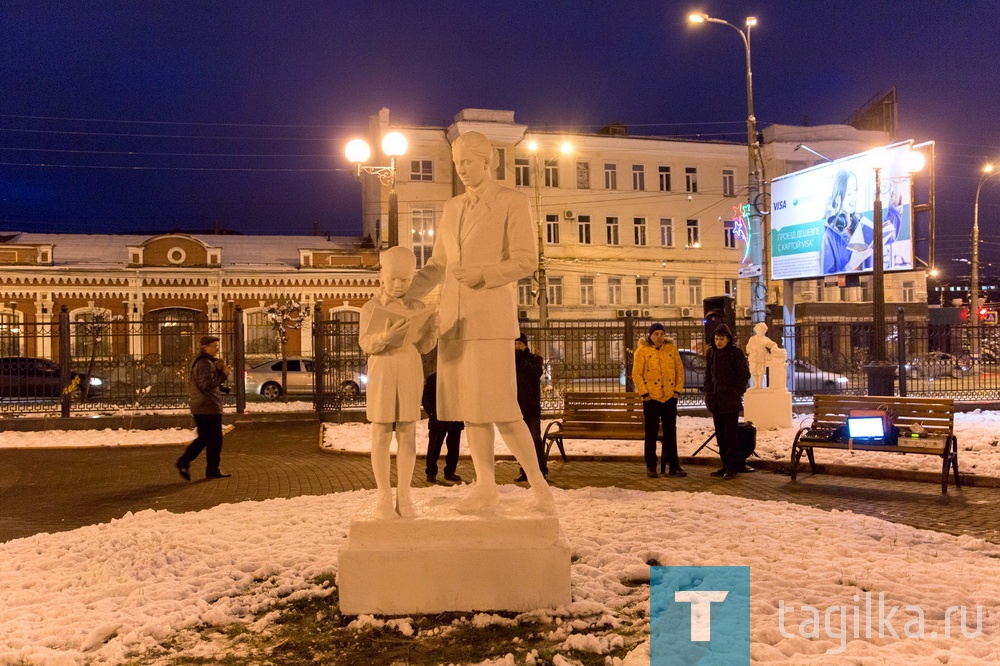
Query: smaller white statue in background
{"x": 759, "y": 348}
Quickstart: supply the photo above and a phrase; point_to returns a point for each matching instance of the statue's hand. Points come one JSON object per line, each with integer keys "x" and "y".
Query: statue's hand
{"x": 396, "y": 334}
{"x": 470, "y": 276}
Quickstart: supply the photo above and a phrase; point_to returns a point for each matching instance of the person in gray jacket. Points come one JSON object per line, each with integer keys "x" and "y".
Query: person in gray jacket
{"x": 208, "y": 374}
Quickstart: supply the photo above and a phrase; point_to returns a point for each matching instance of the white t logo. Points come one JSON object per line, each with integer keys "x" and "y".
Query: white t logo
{"x": 701, "y": 611}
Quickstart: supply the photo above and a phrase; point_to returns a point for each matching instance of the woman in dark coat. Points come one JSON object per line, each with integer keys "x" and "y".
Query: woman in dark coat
{"x": 726, "y": 377}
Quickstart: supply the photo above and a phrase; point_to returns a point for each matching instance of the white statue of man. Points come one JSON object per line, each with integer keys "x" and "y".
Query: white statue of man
{"x": 486, "y": 242}
{"x": 759, "y": 347}
{"x": 395, "y": 376}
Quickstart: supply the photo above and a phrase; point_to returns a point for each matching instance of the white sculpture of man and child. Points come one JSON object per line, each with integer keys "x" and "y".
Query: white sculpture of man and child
{"x": 759, "y": 352}
{"x": 485, "y": 243}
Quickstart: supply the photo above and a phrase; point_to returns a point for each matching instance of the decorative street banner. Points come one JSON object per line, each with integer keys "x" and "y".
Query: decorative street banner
{"x": 822, "y": 217}
{"x": 699, "y": 615}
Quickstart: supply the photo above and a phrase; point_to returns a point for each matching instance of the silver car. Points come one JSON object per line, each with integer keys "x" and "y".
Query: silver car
{"x": 264, "y": 379}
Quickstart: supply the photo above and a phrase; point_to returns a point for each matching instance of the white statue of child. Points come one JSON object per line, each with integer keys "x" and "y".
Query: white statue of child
{"x": 759, "y": 347}
{"x": 395, "y": 376}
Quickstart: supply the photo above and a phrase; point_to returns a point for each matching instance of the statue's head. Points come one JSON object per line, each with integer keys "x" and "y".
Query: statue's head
{"x": 760, "y": 329}
{"x": 398, "y": 266}
{"x": 474, "y": 158}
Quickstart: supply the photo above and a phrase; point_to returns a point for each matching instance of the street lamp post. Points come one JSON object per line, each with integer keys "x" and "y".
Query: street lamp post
{"x": 758, "y": 286}
{"x": 987, "y": 173}
{"x": 543, "y": 285}
{"x": 393, "y": 145}
{"x": 881, "y": 373}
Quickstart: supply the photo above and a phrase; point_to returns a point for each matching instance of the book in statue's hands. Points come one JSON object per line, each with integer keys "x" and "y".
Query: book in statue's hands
{"x": 383, "y": 318}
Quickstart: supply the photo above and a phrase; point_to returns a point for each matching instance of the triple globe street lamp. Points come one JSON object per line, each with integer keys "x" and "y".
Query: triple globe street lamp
{"x": 394, "y": 145}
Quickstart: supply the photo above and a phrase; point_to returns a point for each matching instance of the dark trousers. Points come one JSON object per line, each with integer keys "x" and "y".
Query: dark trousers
{"x": 656, "y": 414}
{"x": 726, "y": 433}
{"x": 209, "y": 438}
{"x": 435, "y": 438}
{"x": 534, "y": 424}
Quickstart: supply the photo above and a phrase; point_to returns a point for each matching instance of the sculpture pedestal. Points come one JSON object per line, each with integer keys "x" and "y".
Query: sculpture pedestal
{"x": 441, "y": 560}
{"x": 768, "y": 408}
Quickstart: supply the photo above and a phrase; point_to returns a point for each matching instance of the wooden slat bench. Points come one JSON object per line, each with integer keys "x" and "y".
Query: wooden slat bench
{"x": 596, "y": 416}
{"x": 936, "y": 415}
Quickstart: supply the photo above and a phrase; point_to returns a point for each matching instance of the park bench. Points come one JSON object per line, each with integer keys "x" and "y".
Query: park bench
{"x": 935, "y": 415}
{"x": 596, "y": 416}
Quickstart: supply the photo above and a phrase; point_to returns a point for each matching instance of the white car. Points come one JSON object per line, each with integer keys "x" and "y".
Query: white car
{"x": 264, "y": 379}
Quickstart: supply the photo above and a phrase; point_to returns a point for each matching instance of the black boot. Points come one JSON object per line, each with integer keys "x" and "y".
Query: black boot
{"x": 651, "y": 472}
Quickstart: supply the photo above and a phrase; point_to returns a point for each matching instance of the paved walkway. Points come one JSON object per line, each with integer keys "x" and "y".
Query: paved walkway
{"x": 51, "y": 490}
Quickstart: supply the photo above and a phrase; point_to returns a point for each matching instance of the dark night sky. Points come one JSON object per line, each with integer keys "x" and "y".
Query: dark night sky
{"x": 153, "y": 116}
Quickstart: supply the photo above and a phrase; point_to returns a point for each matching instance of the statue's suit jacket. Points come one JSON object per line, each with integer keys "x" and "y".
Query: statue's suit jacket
{"x": 497, "y": 236}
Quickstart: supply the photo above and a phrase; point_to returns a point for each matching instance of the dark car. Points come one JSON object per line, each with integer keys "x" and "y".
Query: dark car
{"x": 25, "y": 377}
{"x": 808, "y": 378}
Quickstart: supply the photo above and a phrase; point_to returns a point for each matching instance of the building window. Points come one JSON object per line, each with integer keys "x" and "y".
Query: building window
{"x": 91, "y": 333}
{"x": 522, "y": 172}
{"x": 693, "y": 235}
{"x": 638, "y": 177}
{"x": 729, "y": 286}
{"x": 694, "y": 291}
{"x": 421, "y": 170}
{"x": 587, "y": 291}
{"x": 728, "y": 183}
{"x": 259, "y": 335}
{"x": 501, "y": 173}
{"x": 555, "y": 291}
{"x": 691, "y": 179}
{"x": 552, "y": 229}
{"x": 666, "y": 232}
{"x": 524, "y": 298}
{"x": 664, "y": 179}
{"x": 10, "y": 333}
{"x": 610, "y": 176}
{"x": 614, "y": 291}
{"x": 612, "y": 231}
{"x": 583, "y": 229}
{"x": 583, "y": 175}
{"x": 909, "y": 293}
{"x": 422, "y": 225}
{"x": 588, "y": 352}
{"x": 639, "y": 228}
{"x": 670, "y": 291}
{"x": 729, "y": 233}
{"x": 552, "y": 173}
{"x": 642, "y": 291}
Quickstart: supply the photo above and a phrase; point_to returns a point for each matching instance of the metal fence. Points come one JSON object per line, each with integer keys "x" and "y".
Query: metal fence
{"x": 103, "y": 364}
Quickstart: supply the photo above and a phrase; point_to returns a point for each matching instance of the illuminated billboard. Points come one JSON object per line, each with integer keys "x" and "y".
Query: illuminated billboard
{"x": 821, "y": 218}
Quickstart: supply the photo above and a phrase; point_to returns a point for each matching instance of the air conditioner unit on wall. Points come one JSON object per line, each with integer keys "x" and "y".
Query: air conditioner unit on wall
{"x": 687, "y": 313}
{"x": 743, "y": 311}
{"x": 569, "y": 215}
{"x": 645, "y": 313}
{"x": 808, "y": 296}
{"x": 621, "y": 314}
{"x": 522, "y": 314}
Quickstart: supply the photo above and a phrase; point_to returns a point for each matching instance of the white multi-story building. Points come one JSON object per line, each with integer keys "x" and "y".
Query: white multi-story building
{"x": 626, "y": 223}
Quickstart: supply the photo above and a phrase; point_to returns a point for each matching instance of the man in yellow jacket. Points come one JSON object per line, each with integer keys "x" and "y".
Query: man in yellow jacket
{"x": 658, "y": 374}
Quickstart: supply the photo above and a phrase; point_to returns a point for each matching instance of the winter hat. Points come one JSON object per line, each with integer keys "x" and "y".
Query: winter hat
{"x": 655, "y": 327}
{"x": 722, "y": 329}
{"x": 523, "y": 339}
{"x": 208, "y": 339}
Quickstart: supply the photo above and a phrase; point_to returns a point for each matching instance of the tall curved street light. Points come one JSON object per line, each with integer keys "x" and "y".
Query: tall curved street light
{"x": 394, "y": 145}
{"x": 987, "y": 172}
{"x": 758, "y": 286}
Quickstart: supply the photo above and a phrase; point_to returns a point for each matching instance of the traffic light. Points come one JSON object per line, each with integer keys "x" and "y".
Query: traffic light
{"x": 718, "y": 310}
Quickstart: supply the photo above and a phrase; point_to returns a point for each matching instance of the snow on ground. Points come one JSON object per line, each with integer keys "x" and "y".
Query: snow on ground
{"x": 106, "y": 593}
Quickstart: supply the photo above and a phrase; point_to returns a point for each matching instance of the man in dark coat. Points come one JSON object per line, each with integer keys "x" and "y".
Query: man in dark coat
{"x": 437, "y": 431}
{"x": 529, "y": 368}
{"x": 208, "y": 373}
{"x": 726, "y": 377}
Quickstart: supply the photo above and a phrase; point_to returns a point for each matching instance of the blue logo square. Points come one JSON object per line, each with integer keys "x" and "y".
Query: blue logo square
{"x": 699, "y": 615}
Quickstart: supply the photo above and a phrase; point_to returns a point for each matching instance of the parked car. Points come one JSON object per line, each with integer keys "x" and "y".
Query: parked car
{"x": 264, "y": 379}
{"x": 26, "y": 377}
{"x": 935, "y": 364}
{"x": 808, "y": 378}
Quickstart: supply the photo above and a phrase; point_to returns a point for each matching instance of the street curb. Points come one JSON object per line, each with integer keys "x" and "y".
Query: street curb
{"x": 145, "y": 421}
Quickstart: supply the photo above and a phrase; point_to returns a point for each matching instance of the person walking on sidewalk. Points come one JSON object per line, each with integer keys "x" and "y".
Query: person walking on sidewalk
{"x": 437, "y": 431}
{"x": 726, "y": 375}
{"x": 208, "y": 374}
{"x": 658, "y": 374}
{"x": 528, "y": 368}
